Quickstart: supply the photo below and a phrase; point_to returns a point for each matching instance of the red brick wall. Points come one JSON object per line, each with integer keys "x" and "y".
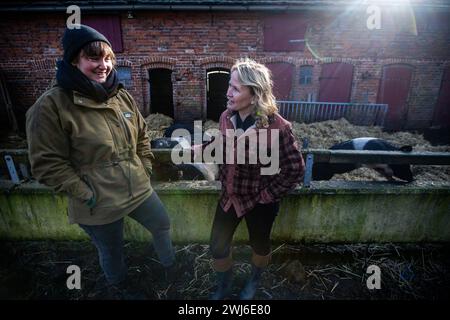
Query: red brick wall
{"x": 189, "y": 43}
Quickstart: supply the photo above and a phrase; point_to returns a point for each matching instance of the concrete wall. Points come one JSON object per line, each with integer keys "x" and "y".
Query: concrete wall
{"x": 327, "y": 212}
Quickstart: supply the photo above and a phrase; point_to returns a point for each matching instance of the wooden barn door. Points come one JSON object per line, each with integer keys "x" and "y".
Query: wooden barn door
{"x": 393, "y": 91}
{"x": 442, "y": 110}
{"x": 282, "y": 79}
{"x": 109, "y": 26}
{"x": 335, "y": 82}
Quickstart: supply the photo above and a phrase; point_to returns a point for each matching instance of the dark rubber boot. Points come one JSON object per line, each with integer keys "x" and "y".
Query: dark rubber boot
{"x": 252, "y": 284}
{"x": 223, "y": 285}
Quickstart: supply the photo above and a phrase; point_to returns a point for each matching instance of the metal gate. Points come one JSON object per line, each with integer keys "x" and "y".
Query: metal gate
{"x": 357, "y": 113}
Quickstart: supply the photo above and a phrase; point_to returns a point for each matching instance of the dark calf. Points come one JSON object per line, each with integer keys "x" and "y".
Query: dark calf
{"x": 325, "y": 171}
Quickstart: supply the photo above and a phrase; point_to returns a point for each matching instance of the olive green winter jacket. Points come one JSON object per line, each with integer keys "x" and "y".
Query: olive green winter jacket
{"x": 85, "y": 148}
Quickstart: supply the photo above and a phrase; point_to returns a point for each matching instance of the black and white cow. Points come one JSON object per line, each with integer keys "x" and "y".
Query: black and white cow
{"x": 188, "y": 171}
{"x": 325, "y": 171}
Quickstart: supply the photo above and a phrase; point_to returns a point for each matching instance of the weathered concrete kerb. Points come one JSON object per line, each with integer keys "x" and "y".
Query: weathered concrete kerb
{"x": 333, "y": 211}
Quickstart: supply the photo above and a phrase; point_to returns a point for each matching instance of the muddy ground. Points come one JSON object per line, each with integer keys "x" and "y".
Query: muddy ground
{"x": 37, "y": 270}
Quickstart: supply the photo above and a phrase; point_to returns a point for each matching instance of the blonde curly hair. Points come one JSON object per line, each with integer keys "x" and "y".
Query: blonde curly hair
{"x": 258, "y": 78}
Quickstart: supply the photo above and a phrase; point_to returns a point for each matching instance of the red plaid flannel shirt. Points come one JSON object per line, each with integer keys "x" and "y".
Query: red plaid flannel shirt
{"x": 243, "y": 185}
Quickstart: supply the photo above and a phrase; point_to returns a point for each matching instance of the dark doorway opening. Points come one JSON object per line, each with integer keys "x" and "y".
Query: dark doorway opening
{"x": 216, "y": 92}
{"x": 161, "y": 92}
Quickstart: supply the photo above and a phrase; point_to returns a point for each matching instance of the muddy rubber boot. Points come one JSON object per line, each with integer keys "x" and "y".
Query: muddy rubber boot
{"x": 252, "y": 284}
{"x": 223, "y": 285}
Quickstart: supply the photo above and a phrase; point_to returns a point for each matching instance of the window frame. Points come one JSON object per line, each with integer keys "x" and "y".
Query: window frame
{"x": 303, "y": 78}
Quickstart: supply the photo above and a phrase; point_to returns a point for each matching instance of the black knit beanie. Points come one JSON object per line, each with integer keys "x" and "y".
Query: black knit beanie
{"x": 75, "y": 39}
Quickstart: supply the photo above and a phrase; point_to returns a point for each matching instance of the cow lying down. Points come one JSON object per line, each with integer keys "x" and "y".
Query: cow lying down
{"x": 325, "y": 171}
{"x": 190, "y": 171}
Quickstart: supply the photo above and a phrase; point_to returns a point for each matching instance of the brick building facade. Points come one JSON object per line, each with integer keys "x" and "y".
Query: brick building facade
{"x": 187, "y": 43}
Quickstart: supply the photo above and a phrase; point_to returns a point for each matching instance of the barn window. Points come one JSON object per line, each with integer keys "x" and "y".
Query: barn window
{"x": 124, "y": 74}
{"x": 365, "y": 97}
{"x": 306, "y": 75}
{"x": 284, "y": 33}
{"x": 109, "y": 26}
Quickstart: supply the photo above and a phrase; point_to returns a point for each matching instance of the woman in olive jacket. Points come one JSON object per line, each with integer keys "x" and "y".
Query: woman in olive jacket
{"x": 87, "y": 138}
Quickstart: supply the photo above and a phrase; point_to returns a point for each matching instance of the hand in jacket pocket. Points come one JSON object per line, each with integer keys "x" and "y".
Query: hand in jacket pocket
{"x": 91, "y": 202}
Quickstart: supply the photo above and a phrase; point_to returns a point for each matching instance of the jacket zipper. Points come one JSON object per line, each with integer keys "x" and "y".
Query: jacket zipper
{"x": 116, "y": 163}
{"x": 127, "y": 136}
{"x": 111, "y": 130}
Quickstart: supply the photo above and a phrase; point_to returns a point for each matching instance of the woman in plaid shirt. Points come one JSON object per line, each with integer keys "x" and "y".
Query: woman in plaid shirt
{"x": 251, "y": 190}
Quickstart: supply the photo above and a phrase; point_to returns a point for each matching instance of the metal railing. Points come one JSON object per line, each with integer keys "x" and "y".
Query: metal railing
{"x": 366, "y": 114}
{"x": 14, "y": 163}
{"x": 312, "y": 156}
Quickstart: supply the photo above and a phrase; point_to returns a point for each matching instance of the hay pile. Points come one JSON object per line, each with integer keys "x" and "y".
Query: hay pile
{"x": 322, "y": 135}
{"x": 156, "y": 124}
{"x": 209, "y": 124}
{"x": 157, "y": 121}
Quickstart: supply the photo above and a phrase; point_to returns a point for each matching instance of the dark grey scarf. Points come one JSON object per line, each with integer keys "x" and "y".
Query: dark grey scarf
{"x": 70, "y": 77}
